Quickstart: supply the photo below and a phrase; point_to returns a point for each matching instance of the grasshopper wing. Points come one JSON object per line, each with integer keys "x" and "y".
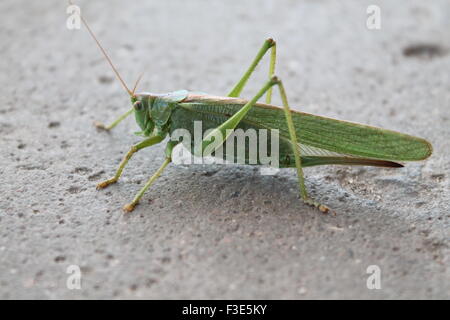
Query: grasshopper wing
{"x": 325, "y": 140}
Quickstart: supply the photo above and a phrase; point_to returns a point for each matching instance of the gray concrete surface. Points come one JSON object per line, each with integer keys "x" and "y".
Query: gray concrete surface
{"x": 220, "y": 231}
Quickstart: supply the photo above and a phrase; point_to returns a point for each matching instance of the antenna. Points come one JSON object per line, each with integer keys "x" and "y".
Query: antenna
{"x": 137, "y": 82}
{"x": 131, "y": 93}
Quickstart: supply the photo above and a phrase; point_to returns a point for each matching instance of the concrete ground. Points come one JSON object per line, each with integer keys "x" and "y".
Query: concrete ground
{"x": 220, "y": 231}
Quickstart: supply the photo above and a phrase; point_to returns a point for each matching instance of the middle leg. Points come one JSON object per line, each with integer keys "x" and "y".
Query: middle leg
{"x": 169, "y": 148}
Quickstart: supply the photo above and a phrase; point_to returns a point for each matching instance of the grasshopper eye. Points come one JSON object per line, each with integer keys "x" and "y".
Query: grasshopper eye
{"x": 138, "y": 106}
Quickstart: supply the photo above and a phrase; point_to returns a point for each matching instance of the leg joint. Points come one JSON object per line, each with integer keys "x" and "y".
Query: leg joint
{"x": 130, "y": 153}
{"x": 270, "y": 42}
{"x": 275, "y": 80}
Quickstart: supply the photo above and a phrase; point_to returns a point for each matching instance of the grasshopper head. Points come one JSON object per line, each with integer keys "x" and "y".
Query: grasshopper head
{"x": 142, "y": 105}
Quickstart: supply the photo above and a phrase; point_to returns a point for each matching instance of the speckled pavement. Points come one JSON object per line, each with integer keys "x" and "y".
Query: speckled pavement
{"x": 220, "y": 231}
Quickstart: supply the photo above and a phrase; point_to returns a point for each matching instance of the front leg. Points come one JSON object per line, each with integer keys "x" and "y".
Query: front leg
{"x": 141, "y": 145}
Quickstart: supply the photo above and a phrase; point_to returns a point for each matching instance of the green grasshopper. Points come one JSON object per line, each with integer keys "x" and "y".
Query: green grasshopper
{"x": 304, "y": 139}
